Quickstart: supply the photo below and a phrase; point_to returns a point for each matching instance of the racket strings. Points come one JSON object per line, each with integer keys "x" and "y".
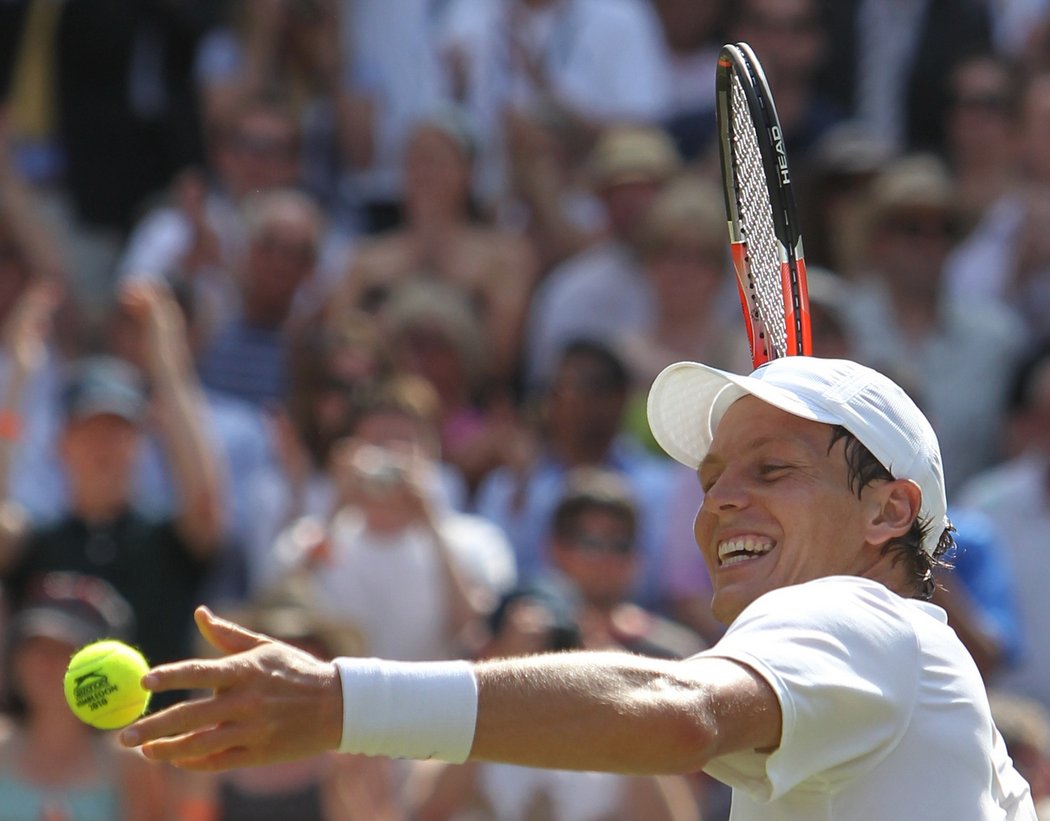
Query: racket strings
{"x": 756, "y": 227}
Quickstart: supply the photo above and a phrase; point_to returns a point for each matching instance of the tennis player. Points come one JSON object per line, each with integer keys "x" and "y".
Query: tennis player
{"x": 837, "y": 692}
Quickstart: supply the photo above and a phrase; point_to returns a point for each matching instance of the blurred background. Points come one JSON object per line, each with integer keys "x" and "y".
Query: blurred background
{"x": 340, "y": 315}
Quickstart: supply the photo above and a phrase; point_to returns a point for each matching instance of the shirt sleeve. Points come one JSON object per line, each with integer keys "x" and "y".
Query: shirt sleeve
{"x": 843, "y": 659}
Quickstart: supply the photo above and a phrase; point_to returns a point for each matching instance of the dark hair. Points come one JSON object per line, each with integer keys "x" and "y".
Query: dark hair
{"x": 557, "y": 600}
{"x": 863, "y": 470}
{"x": 1020, "y": 395}
{"x": 591, "y": 488}
{"x": 614, "y": 371}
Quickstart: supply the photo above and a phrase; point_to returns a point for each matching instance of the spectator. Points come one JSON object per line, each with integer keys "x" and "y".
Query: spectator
{"x": 987, "y": 136}
{"x": 906, "y": 322}
{"x": 441, "y": 240}
{"x": 1006, "y": 257}
{"x": 52, "y": 765}
{"x": 548, "y": 198}
{"x": 832, "y": 192}
{"x": 196, "y": 237}
{"x": 294, "y": 51}
{"x": 887, "y": 65}
{"x": 682, "y": 249}
{"x": 394, "y": 559}
{"x": 981, "y": 127}
{"x": 393, "y": 68}
{"x": 330, "y": 366}
{"x": 235, "y": 432}
{"x": 35, "y": 355}
{"x": 594, "y": 555}
{"x": 434, "y": 333}
{"x": 790, "y": 39}
{"x": 601, "y": 292}
{"x": 580, "y": 423}
{"x": 693, "y": 33}
{"x": 248, "y": 358}
{"x": 159, "y": 565}
{"x": 104, "y": 114}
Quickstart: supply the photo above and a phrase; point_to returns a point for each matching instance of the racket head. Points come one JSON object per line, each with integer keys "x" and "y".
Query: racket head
{"x": 762, "y": 215}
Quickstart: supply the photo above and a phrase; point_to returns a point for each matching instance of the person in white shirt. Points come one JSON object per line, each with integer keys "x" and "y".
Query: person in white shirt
{"x": 838, "y": 691}
{"x": 395, "y": 559}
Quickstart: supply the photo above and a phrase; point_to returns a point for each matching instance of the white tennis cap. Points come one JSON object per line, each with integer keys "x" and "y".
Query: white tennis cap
{"x": 688, "y": 399}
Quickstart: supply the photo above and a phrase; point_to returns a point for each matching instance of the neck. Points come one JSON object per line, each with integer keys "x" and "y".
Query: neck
{"x": 887, "y": 570}
{"x": 98, "y": 511}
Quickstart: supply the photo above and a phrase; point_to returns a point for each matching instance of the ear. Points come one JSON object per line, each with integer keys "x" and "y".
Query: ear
{"x": 558, "y": 552}
{"x": 895, "y": 506}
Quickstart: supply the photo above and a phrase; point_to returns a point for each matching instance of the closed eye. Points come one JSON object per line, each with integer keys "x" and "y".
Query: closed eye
{"x": 770, "y": 471}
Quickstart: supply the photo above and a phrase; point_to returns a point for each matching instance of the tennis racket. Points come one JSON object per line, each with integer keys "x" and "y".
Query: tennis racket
{"x": 764, "y": 235}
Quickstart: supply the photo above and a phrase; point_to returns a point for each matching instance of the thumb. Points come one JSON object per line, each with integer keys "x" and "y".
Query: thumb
{"x": 224, "y": 635}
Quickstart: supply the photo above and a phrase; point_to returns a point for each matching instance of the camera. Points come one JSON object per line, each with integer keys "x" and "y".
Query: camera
{"x": 378, "y": 469}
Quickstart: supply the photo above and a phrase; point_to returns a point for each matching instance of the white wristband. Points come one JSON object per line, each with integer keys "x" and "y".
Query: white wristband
{"x": 403, "y": 709}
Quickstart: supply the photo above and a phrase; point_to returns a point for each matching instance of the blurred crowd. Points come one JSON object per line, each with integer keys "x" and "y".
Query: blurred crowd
{"x": 339, "y": 315}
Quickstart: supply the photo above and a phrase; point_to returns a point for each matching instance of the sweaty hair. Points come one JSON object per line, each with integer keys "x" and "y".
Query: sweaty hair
{"x": 863, "y": 470}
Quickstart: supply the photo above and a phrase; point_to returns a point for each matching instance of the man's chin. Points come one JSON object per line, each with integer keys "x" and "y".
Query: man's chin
{"x": 730, "y": 602}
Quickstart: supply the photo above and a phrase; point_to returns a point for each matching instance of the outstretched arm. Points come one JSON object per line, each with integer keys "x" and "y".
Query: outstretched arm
{"x": 619, "y": 712}
{"x": 593, "y": 711}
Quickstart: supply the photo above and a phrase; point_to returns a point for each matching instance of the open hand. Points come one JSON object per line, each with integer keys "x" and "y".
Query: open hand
{"x": 268, "y": 702}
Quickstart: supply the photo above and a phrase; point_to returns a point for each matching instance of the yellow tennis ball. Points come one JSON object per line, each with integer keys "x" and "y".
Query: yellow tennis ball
{"x": 102, "y": 684}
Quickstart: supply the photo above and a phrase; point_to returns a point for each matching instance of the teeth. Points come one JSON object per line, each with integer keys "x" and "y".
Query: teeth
{"x": 733, "y": 551}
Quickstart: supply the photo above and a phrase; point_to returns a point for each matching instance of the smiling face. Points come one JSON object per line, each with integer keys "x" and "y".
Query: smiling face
{"x": 778, "y": 509}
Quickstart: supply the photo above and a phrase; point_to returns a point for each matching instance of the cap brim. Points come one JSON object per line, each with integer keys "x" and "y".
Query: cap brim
{"x": 48, "y": 623}
{"x": 87, "y": 410}
{"x": 687, "y": 401}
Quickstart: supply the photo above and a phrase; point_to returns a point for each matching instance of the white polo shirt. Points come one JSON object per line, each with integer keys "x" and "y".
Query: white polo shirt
{"x": 885, "y": 715}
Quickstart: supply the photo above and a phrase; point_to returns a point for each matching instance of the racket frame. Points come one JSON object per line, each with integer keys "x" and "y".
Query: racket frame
{"x": 739, "y": 60}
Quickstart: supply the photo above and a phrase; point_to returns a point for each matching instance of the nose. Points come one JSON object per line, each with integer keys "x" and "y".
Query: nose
{"x": 727, "y": 492}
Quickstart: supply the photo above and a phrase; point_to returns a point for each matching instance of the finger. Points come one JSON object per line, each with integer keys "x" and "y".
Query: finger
{"x": 201, "y": 743}
{"x": 225, "y": 635}
{"x": 194, "y": 674}
{"x": 176, "y": 720}
{"x": 133, "y": 298}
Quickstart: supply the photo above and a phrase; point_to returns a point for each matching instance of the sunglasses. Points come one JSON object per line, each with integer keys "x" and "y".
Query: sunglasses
{"x": 260, "y": 146}
{"x": 590, "y": 543}
{"x": 303, "y": 252}
{"x": 987, "y": 102}
{"x": 922, "y": 227}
